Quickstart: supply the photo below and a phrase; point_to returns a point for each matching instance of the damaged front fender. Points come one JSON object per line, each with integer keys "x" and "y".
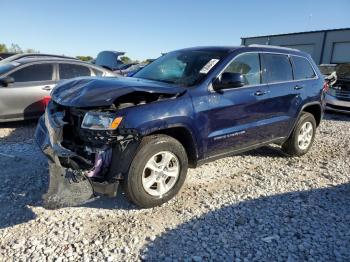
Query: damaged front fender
{"x": 74, "y": 178}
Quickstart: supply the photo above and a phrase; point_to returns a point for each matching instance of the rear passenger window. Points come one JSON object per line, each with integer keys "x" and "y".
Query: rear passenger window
{"x": 302, "y": 68}
{"x": 31, "y": 73}
{"x": 70, "y": 71}
{"x": 277, "y": 68}
{"x": 248, "y": 65}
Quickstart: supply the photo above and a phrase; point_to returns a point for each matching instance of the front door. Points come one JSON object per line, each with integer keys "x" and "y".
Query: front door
{"x": 24, "y": 98}
{"x": 235, "y": 118}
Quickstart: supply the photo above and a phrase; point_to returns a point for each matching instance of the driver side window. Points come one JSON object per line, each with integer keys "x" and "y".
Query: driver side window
{"x": 248, "y": 65}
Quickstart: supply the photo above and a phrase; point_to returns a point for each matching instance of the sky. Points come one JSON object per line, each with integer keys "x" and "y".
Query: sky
{"x": 145, "y": 29}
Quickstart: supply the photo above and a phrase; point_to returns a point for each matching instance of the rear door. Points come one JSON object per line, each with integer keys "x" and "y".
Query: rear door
{"x": 285, "y": 94}
{"x": 305, "y": 77}
{"x": 24, "y": 98}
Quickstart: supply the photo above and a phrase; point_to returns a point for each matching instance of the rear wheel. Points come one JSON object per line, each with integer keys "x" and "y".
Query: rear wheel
{"x": 157, "y": 171}
{"x": 300, "y": 142}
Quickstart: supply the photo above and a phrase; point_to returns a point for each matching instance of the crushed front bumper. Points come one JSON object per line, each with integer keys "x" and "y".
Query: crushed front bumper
{"x": 48, "y": 136}
{"x": 68, "y": 186}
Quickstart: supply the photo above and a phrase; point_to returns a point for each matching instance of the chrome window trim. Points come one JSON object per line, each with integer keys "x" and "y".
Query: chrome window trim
{"x": 210, "y": 88}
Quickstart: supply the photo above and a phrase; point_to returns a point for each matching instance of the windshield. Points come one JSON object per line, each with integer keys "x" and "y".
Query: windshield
{"x": 4, "y": 68}
{"x": 185, "y": 67}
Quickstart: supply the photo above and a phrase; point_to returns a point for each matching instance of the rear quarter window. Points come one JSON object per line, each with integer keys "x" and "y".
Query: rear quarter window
{"x": 302, "y": 68}
{"x": 277, "y": 68}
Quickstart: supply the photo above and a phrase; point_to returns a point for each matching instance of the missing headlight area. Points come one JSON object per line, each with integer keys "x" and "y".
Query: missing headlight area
{"x": 82, "y": 162}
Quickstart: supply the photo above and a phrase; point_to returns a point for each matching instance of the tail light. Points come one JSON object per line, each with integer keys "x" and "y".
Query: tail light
{"x": 46, "y": 101}
{"x": 325, "y": 87}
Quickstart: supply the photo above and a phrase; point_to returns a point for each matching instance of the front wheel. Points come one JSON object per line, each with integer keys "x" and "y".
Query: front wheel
{"x": 157, "y": 171}
{"x": 299, "y": 143}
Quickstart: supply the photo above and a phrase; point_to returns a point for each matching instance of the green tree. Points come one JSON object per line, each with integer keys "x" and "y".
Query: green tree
{"x": 31, "y": 51}
{"x": 3, "y": 48}
{"x": 125, "y": 59}
{"x": 84, "y": 58}
{"x": 147, "y": 61}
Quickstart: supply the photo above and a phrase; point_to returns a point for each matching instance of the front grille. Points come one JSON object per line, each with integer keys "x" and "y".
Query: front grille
{"x": 340, "y": 94}
{"x": 339, "y": 107}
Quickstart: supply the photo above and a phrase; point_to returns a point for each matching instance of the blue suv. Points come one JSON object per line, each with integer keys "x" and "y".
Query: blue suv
{"x": 186, "y": 108}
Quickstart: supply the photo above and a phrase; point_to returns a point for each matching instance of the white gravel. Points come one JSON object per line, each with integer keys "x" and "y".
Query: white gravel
{"x": 258, "y": 206}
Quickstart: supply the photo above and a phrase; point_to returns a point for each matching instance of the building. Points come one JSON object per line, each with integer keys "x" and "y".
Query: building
{"x": 325, "y": 46}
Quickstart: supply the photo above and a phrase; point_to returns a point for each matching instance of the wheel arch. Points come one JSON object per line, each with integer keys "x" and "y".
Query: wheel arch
{"x": 186, "y": 138}
{"x": 315, "y": 109}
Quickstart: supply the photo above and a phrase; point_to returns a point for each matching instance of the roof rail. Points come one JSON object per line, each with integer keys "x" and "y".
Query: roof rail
{"x": 274, "y": 46}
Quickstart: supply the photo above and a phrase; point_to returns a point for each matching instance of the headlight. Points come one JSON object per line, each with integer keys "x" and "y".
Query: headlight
{"x": 100, "y": 121}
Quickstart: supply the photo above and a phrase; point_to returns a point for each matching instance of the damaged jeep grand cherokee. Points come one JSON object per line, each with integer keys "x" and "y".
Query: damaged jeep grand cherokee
{"x": 186, "y": 108}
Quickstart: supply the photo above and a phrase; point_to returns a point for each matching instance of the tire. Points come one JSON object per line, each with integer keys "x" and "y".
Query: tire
{"x": 155, "y": 147}
{"x": 293, "y": 147}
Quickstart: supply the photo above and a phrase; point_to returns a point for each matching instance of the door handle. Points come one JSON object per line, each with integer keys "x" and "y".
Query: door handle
{"x": 298, "y": 87}
{"x": 46, "y": 88}
{"x": 260, "y": 93}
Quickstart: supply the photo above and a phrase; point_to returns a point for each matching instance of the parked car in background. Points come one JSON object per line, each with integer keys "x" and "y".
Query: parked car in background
{"x": 5, "y": 55}
{"x": 25, "y": 84}
{"x": 132, "y": 69}
{"x": 15, "y": 57}
{"x": 184, "y": 109}
{"x": 109, "y": 60}
{"x": 338, "y": 94}
{"x": 327, "y": 69}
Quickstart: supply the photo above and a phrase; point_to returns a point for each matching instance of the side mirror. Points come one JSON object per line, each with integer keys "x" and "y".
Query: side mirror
{"x": 228, "y": 80}
{"x": 5, "y": 81}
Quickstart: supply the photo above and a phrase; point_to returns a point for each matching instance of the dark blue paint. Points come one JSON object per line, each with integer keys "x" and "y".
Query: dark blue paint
{"x": 217, "y": 121}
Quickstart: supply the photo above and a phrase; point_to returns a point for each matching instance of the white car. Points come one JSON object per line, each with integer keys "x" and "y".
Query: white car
{"x": 26, "y": 84}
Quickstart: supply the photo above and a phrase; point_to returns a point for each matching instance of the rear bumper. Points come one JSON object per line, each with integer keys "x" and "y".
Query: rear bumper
{"x": 337, "y": 105}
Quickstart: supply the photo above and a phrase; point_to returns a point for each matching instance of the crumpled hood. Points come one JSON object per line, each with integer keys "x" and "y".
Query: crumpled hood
{"x": 102, "y": 91}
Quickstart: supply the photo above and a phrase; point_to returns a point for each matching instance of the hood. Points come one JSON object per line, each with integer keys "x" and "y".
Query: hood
{"x": 343, "y": 71}
{"x": 102, "y": 91}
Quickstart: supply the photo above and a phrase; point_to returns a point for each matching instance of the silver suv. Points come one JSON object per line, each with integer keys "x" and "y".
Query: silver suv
{"x": 25, "y": 84}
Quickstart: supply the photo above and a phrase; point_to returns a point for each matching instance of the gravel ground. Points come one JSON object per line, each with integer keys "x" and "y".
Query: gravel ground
{"x": 258, "y": 206}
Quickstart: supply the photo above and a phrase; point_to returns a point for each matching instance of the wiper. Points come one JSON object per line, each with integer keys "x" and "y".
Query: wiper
{"x": 165, "y": 81}
{"x": 158, "y": 80}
